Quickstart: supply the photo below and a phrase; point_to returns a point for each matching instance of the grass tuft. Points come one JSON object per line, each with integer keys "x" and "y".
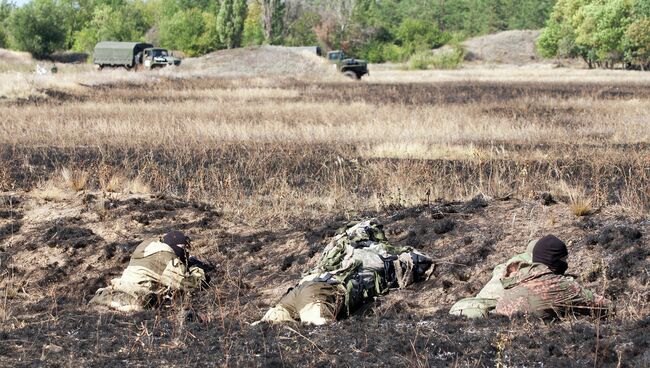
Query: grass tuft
{"x": 74, "y": 179}
{"x": 137, "y": 186}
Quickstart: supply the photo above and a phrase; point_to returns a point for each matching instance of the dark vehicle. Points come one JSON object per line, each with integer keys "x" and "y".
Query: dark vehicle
{"x": 350, "y": 67}
{"x": 131, "y": 55}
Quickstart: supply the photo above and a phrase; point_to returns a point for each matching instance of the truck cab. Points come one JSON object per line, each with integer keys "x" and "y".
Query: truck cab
{"x": 350, "y": 67}
{"x": 158, "y": 57}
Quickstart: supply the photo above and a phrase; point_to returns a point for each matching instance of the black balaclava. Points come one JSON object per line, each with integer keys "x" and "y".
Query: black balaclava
{"x": 178, "y": 242}
{"x": 549, "y": 250}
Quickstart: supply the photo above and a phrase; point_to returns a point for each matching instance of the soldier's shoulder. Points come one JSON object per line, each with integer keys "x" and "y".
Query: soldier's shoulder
{"x": 152, "y": 246}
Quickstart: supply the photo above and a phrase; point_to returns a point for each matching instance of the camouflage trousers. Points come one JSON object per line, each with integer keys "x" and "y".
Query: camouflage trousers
{"x": 125, "y": 297}
{"x": 313, "y": 302}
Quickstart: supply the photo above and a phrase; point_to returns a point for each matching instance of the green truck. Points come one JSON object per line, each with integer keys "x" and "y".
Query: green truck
{"x": 131, "y": 55}
{"x": 350, "y": 67}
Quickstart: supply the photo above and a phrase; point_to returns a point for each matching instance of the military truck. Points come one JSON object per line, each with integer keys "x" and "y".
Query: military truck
{"x": 350, "y": 67}
{"x": 131, "y": 55}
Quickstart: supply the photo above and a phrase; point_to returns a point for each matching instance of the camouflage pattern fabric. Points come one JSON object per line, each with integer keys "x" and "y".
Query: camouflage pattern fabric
{"x": 494, "y": 289}
{"x": 314, "y": 302}
{"x": 153, "y": 271}
{"x": 352, "y": 270}
{"x": 360, "y": 257}
{"x": 532, "y": 288}
{"x": 365, "y": 243}
{"x": 486, "y": 300}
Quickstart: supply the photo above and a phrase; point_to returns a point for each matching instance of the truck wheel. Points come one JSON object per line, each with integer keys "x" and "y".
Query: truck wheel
{"x": 350, "y": 74}
{"x": 99, "y": 67}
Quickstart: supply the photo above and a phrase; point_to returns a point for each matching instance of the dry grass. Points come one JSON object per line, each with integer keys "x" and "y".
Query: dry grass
{"x": 538, "y": 73}
{"x": 137, "y": 186}
{"x": 272, "y": 150}
{"x": 112, "y": 182}
{"x": 74, "y": 179}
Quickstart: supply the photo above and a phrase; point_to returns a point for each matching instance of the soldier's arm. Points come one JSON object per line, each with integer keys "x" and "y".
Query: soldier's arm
{"x": 177, "y": 276}
{"x": 587, "y": 298}
{"x": 174, "y": 274}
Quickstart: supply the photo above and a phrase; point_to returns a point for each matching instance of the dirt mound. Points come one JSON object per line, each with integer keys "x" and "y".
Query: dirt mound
{"x": 262, "y": 61}
{"x": 78, "y": 243}
{"x": 509, "y": 47}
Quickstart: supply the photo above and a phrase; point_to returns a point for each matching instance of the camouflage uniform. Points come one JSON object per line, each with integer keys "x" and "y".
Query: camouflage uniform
{"x": 356, "y": 266}
{"x": 532, "y": 288}
{"x": 153, "y": 271}
{"x": 314, "y": 302}
{"x": 486, "y": 300}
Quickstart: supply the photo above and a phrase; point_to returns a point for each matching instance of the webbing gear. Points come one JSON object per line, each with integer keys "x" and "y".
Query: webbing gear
{"x": 389, "y": 270}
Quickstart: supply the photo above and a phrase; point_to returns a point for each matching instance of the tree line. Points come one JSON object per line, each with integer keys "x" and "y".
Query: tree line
{"x": 604, "y": 33}
{"x": 386, "y": 30}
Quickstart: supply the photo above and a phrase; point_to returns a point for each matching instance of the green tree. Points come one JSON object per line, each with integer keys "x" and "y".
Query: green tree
{"x": 240, "y": 10}
{"x": 225, "y": 24}
{"x": 558, "y": 38}
{"x": 273, "y": 20}
{"x": 253, "y": 33}
{"x": 38, "y": 27}
{"x": 301, "y": 31}
{"x": 5, "y": 12}
{"x": 604, "y": 33}
{"x": 600, "y": 28}
{"x": 192, "y": 31}
{"x": 230, "y": 22}
{"x": 637, "y": 41}
{"x": 127, "y": 22}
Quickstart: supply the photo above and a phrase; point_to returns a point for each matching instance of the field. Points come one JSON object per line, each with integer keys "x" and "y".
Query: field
{"x": 467, "y": 166}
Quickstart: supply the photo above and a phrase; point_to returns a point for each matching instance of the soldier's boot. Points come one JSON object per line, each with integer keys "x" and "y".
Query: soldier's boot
{"x": 277, "y": 314}
{"x": 473, "y": 307}
{"x": 115, "y": 299}
{"x": 316, "y": 313}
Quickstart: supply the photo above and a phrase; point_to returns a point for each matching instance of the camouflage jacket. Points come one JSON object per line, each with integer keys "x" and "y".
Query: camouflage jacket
{"x": 533, "y": 288}
{"x": 155, "y": 267}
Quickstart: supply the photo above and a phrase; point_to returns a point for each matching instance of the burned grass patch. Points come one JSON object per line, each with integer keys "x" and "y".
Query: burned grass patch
{"x": 476, "y": 92}
{"x": 69, "y": 236}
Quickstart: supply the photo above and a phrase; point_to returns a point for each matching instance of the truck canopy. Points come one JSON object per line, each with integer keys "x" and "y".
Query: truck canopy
{"x": 117, "y": 53}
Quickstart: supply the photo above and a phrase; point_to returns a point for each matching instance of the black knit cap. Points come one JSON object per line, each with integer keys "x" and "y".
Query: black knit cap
{"x": 549, "y": 250}
{"x": 176, "y": 238}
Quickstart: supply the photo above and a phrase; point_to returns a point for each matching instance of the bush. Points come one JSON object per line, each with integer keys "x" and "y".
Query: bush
{"x": 394, "y": 53}
{"x": 449, "y": 59}
{"x": 420, "y": 60}
{"x": 417, "y": 35}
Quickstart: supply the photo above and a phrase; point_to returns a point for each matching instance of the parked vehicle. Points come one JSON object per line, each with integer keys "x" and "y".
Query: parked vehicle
{"x": 350, "y": 67}
{"x": 131, "y": 55}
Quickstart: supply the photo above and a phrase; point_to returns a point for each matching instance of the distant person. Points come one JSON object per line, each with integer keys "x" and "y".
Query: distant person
{"x": 357, "y": 265}
{"x": 158, "y": 268}
{"x": 541, "y": 288}
{"x": 486, "y": 300}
